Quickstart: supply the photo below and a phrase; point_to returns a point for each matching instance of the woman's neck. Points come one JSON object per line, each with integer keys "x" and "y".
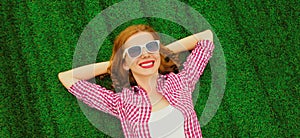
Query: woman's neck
{"x": 147, "y": 82}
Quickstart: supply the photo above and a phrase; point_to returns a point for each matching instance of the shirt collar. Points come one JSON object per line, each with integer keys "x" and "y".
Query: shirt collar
{"x": 160, "y": 83}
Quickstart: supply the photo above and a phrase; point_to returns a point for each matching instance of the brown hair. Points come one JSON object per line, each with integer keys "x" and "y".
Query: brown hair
{"x": 122, "y": 78}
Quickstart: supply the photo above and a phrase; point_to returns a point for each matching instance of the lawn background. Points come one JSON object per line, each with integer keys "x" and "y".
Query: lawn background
{"x": 261, "y": 47}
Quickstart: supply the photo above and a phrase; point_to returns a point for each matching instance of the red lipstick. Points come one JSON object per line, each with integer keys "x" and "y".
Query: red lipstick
{"x": 147, "y": 64}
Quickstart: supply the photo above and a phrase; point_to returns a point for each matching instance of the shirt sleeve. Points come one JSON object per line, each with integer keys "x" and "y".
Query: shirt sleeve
{"x": 196, "y": 62}
{"x": 96, "y": 96}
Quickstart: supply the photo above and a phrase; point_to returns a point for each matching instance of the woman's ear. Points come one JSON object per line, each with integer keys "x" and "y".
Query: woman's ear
{"x": 125, "y": 66}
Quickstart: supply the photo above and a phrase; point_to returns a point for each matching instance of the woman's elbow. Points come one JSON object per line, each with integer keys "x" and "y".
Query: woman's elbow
{"x": 66, "y": 79}
{"x": 209, "y": 35}
{"x": 60, "y": 76}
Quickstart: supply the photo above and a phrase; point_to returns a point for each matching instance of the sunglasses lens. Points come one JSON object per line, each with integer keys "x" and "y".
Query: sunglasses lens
{"x": 152, "y": 46}
{"x": 134, "y": 51}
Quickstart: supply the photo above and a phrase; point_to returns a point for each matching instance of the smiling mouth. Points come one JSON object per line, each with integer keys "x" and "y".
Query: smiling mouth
{"x": 147, "y": 64}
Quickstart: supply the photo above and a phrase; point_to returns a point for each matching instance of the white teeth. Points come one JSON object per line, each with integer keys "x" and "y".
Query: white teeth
{"x": 147, "y": 64}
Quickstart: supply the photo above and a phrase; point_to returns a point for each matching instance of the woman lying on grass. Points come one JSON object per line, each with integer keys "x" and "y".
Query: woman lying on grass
{"x": 152, "y": 98}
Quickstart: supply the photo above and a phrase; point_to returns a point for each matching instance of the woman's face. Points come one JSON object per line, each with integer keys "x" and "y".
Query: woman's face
{"x": 146, "y": 63}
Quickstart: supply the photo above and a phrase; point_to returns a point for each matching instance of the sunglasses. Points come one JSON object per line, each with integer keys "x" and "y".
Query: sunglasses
{"x": 136, "y": 51}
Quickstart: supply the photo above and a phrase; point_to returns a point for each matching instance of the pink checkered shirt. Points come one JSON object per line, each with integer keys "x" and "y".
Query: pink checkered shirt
{"x": 134, "y": 109}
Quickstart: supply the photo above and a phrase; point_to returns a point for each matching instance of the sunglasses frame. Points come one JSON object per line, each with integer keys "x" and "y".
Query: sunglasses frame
{"x": 141, "y": 46}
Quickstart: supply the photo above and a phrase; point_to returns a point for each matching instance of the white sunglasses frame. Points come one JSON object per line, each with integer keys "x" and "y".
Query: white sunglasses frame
{"x": 142, "y": 46}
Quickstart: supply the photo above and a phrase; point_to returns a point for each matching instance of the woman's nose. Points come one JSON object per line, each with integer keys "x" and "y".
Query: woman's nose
{"x": 144, "y": 53}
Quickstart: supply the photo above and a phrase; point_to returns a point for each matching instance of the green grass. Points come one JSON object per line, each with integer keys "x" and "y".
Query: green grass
{"x": 260, "y": 41}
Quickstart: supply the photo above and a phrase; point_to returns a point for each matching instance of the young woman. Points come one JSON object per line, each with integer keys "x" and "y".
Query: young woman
{"x": 151, "y": 98}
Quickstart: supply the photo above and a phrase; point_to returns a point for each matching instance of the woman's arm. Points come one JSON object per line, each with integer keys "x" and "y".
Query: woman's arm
{"x": 91, "y": 94}
{"x": 70, "y": 77}
{"x": 188, "y": 43}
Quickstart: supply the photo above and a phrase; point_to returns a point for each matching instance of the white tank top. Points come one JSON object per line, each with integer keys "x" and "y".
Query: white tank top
{"x": 167, "y": 123}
